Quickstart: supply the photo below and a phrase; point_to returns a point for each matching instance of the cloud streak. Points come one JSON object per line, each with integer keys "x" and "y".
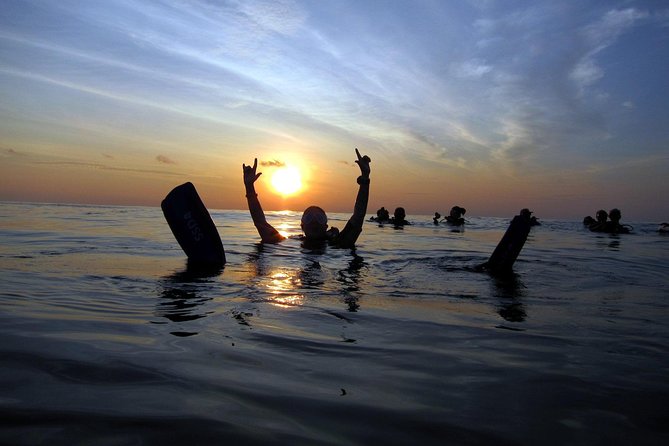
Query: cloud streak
{"x": 164, "y": 159}
{"x": 272, "y": 163}
{"x": 597, "y": 37}
{"x": 98, "y": 166}
{"x": 12, "y": 152}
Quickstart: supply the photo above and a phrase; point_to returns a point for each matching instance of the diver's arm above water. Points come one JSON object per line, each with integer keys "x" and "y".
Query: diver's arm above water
{"x": 268, "y": 233}
{"x": 353, "y": 227}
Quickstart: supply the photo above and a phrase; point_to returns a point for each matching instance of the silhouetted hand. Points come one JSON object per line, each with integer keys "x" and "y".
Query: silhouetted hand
{"x": 363, "y": 162}
{"x": 250, "y": 175}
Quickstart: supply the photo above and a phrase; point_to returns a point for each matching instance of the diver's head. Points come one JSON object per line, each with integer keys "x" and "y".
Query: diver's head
{"x": 314, "y": 223}
{"x": 614, "y": 214}
{"x": 457, "y": 211}
{"x": 400, "y": 214}
{"x": 602, "y": 216}
{"x": 526, "y": 213}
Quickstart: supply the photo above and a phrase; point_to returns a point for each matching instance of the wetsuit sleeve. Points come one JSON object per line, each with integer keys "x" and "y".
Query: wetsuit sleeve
{"x": 268, "y": 234}
{"x": 351, "y": 232}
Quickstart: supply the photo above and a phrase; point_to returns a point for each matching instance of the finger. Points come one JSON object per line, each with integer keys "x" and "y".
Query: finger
{"x": 255, "y": 163}
{"x": 358, "y": 153}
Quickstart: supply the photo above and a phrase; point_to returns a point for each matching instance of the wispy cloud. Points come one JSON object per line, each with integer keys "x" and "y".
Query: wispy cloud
{"x": 12, "y": 152}
{"x": 597, "y": 37}
{"x": 164, "y": 159}
{"x": 280, "y": 16}
{"x": 87, "y": 165}
{"x": 272, "y": 163}
{"x": 474, "y": 68}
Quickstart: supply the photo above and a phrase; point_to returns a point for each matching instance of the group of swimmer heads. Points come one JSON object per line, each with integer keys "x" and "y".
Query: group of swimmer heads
{"x": 454, "y": 218}
{"x": 398, "y": 218}
{"x": 606, "y": 222}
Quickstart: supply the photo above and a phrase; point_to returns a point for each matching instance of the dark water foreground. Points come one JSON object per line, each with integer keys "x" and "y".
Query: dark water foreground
{"x": 107, "y": 338}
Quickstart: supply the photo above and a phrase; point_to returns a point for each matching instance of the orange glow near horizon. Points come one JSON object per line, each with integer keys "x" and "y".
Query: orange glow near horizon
{"x": 27, "y": 175}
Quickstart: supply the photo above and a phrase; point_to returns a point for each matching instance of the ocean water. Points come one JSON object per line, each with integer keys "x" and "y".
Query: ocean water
{"x": 107, "y": 338}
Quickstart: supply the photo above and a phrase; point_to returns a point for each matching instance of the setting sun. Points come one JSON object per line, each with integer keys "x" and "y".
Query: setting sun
{"x": 287, "y": 180}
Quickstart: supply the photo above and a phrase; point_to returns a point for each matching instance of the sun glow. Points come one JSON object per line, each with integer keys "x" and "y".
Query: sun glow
{"x": 287, "y": 180}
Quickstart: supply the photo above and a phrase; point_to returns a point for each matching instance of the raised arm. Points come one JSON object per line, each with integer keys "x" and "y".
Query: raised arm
{"x": 267, "y": 232}
{"x": 353, "y": 227}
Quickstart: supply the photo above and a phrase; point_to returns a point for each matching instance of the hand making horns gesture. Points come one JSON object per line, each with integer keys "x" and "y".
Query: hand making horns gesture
{"x": 363, "y": 162}
{"x": 250, "y": 175}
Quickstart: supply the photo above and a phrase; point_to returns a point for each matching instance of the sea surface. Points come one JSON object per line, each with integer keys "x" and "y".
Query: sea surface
{"x": 107, "y": 338}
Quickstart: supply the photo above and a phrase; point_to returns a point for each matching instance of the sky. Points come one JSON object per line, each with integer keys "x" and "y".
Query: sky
{"x": 558, "y": 106}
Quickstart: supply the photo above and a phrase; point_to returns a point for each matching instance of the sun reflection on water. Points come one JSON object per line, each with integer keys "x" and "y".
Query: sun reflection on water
{"x": 283, "y": 286}
{"x": 285, "y": 229}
